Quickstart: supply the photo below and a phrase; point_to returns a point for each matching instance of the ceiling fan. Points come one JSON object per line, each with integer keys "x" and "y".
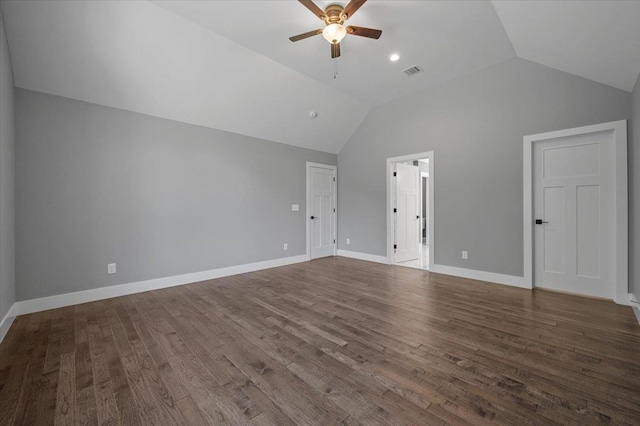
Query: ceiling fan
{"x": 334, "y": 17}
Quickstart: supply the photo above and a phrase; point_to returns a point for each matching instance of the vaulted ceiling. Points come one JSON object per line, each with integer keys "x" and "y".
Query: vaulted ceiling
{"x": 598, "y": 40}
{"x": 229, "y": 64}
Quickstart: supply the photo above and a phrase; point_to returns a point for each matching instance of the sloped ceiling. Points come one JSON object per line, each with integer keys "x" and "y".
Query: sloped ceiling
{"x": 446, "y": 38}
{"x": 139, "y": 57}
{"x": 229, "y": 64}
{"x": 598, "y": 40}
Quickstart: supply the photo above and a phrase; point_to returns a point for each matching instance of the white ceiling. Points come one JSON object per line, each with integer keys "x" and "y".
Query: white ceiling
{"x": 446, "y": 38}
{"x": 598, "y": 40}
{"x": 139, "y": 57}
{"x": 229, "y": 64}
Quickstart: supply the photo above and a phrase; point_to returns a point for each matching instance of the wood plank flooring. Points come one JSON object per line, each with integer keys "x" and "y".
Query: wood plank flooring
{"x": 333, "y": 341}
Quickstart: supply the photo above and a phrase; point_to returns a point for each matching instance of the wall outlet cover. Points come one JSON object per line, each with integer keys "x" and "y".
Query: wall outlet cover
{"x": 295, "y": 207}
{"x": 111, "y": 268}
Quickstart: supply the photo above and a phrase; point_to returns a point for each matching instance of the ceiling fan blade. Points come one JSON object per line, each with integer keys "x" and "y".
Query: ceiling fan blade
{"x": 305, "y": 35}
{"x": 364, "y": 32}
{"x": 335, "y": 50}
{"x": 352, "y": 7}
{"x": 313, "y": 8}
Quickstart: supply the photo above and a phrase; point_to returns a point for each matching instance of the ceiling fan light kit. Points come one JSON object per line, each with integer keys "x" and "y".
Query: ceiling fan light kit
{"x": 334, "y": 17}
{"x": 334, "y": 33}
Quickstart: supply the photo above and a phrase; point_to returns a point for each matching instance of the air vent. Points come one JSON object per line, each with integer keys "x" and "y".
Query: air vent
{"x": 413, "y": 70}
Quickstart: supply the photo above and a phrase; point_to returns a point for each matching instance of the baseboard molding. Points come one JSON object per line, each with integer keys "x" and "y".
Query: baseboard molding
{"x": 636, "y": 310}
{"x": 364, "y": 256}
{"x": 7, "y": 321}
{"x": 635, "y": 305}
{"x": 510, "y": 280}
{"x": 59, "y": 301}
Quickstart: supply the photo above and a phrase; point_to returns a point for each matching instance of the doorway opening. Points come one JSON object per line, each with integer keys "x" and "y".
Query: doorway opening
{"x": 410, "y": 205}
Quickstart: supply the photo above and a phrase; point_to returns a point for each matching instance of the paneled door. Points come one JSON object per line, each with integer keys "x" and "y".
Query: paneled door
{"x": 322, "y": 210}
{"x": 574, "y": 216}
{"x": 407, "y": 212}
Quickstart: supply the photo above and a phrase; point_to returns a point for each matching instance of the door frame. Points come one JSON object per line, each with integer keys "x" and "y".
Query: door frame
{"x": 389, "y": 204}
{"x": 422, "y": 176}
{"x": 308, "y": 206}
{"x": 621, "y": 212}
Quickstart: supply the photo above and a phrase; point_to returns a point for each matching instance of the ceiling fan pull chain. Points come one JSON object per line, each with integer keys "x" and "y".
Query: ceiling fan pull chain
{"x": 335, "y": 68}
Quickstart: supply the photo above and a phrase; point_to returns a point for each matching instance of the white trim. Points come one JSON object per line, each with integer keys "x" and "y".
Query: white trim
{"x": 635, "y": 305}
{"x": 620, "y": 271}
{"x": 423, "y": 175}
{"x": 510, "y": 280}
{"x": 335, "y": 203}
{"x": 389, "y": 207}
{"x": 364, "y": 256}
{"x": 7, "y": 321}
{"x": 636, "y": 310}
{"x": 492, "y": 277}
{"x": 59, "y": 301}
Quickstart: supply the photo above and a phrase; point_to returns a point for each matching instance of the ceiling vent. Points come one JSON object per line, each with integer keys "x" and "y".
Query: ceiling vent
{"x": 413, "y": 70}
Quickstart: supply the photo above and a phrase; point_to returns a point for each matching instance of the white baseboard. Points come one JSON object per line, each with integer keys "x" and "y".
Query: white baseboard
{"x": 636, "y": 310}
{"x": 59, "y": 301}
{"x": 7, "y": 321}
{"x": 510, "y": 280}
{"x": 364, "y": 256}
{"x": 635, "y": 305}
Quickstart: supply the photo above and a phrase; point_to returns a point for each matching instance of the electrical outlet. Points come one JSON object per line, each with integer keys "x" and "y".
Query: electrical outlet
{"x": 286, "y": 247}
{"x": 348, "y": 241}
{"x": 295, "y": 207}
{"x": 465, "y": 254}
{"x": 111, "y": 268}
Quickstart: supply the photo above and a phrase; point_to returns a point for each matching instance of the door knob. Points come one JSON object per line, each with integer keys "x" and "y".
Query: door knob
{"x": 540, "y": 221}
{"x": 313, "y": 217}
{"x": 417, "y": 217}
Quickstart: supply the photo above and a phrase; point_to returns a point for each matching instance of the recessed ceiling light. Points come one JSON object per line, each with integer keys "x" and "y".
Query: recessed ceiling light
{"x": 395, "y": 57}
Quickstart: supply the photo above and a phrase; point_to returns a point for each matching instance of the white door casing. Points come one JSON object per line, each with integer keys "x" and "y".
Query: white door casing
{"x": 424, "y": 182}
{"x": 321, "y": 210}
{"x": 391, "y": 161}
{"x": 573, "y": 198}
{"x": 572, "y": 190}
{"x": 407, "y": 212}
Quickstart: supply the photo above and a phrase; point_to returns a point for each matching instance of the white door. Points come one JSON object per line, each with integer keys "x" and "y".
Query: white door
{"x": 573, "y": 206}
{"x": 407, "y": 212}
{"x": 322, "y": 211}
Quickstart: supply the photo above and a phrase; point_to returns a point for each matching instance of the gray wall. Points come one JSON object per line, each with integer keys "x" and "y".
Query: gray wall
{"x": 7, "y": 163}
{"x": 97, "y": 185}
{"x": 474, "y": 124}
{"x": 634, "y": 193}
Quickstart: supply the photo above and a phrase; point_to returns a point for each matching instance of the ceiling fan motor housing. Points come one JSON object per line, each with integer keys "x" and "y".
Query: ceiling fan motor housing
{"x": 333, "y": 14}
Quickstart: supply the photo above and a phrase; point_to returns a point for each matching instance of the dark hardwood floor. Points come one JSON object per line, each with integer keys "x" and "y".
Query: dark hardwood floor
{"x": 333, "y": 341}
